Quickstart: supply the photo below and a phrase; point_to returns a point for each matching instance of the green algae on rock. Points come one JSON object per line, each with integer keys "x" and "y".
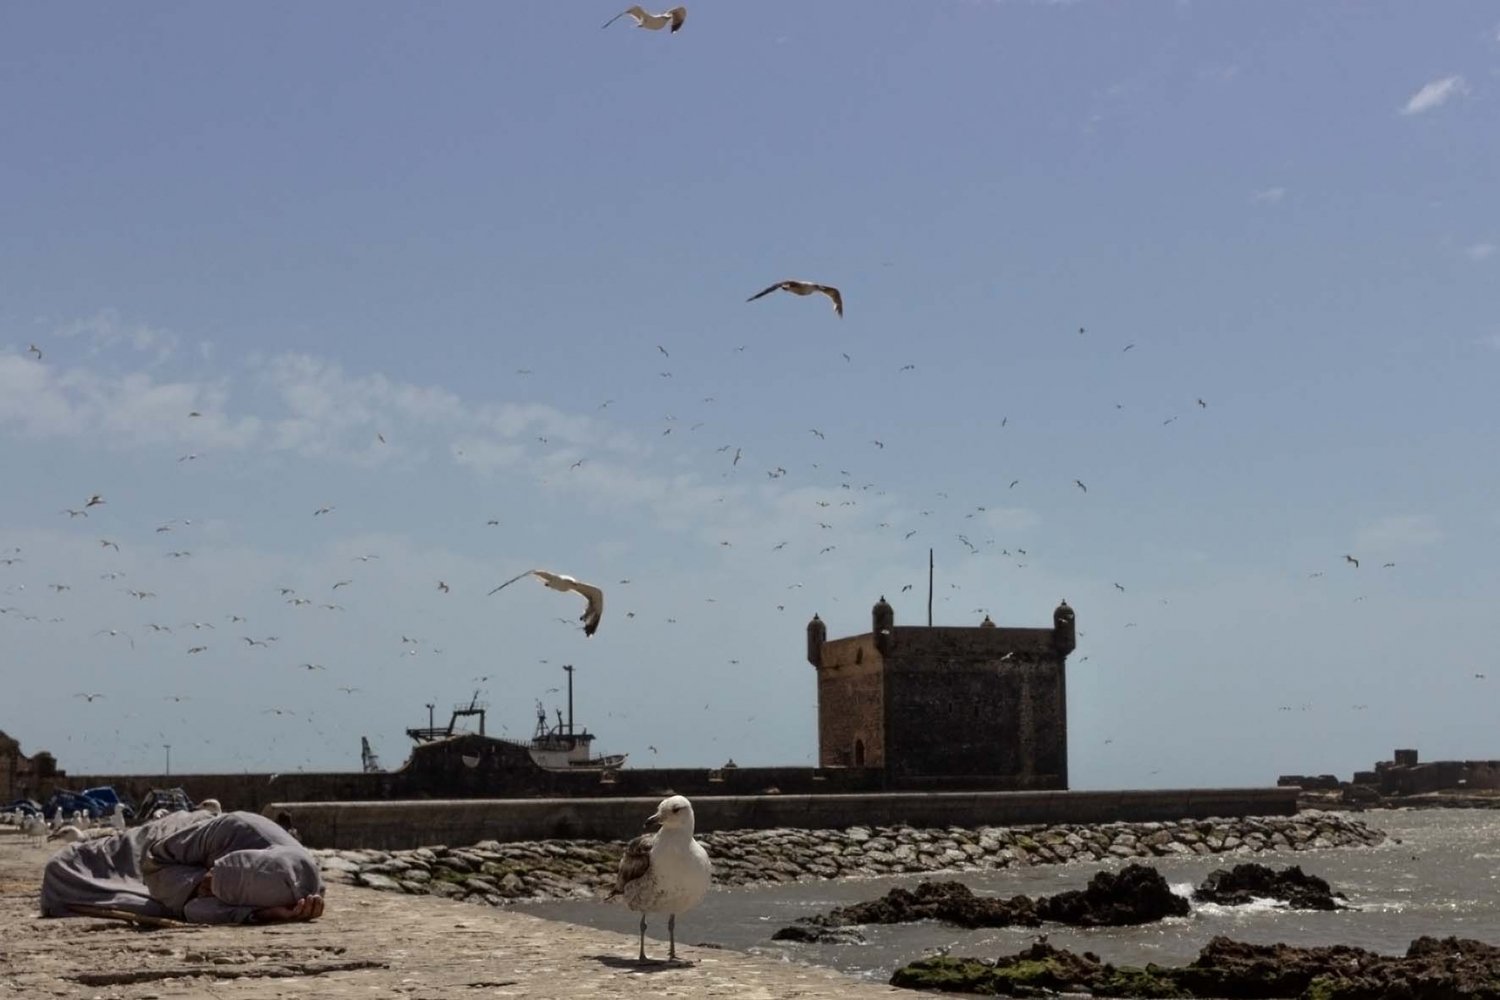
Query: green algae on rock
{"x": 1441, "y": 969}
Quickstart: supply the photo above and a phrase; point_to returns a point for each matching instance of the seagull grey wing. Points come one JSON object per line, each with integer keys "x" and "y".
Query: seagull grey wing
{"x": 595, "y": 609}
{"x": 512, "y": 580}
{"x": 635, "y": 862}
{"x": 835, "y": 295}
{"x": 679, "y": 15}
{"x": 615, "y": 18}
{"x": 766, "y": 291}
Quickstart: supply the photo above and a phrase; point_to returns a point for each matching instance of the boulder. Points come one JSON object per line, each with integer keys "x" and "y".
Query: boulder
{"x": 1137, "y": 894}
{"x": 1242, "y": 883}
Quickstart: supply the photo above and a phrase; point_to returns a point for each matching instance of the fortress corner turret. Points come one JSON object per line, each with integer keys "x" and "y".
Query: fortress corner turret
{"x": 883, "y": 625}
{"x": 1064, "y": 632}
{"x": 817, "y": 634}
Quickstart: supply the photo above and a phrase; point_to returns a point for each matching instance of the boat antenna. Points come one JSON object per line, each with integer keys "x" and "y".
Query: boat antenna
{"x": 569, "y": 668}
{"x": 929, "y": 588}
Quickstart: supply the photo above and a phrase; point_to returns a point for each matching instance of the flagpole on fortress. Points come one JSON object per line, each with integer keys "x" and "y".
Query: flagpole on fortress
{"x": 929, "y": 588}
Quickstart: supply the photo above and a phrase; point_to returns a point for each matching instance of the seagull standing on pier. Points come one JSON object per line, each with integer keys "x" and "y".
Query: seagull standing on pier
{"x": 666, "y": 871}
{"x": 561, "y": 581}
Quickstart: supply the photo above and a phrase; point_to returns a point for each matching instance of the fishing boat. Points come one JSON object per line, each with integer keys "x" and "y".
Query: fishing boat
{"x": 559, "y": 747}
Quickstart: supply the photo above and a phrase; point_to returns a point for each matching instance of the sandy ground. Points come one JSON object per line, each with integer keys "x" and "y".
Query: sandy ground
{"x": 368, "y": 944}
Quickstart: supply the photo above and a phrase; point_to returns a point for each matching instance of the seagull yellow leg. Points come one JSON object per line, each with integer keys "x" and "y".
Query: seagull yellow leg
{"x": 643, "y": 937}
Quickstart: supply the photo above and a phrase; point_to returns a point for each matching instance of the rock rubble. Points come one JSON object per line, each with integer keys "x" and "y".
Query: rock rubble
{"x": 498, "y": 873}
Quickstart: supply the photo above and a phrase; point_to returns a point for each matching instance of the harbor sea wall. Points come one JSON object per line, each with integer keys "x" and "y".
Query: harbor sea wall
{"x": 401, "y": 825}
{"x": 441, "y": 773}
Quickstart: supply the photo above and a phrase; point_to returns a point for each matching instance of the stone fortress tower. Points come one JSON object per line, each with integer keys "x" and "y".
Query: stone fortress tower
{"x": 924, "y": 702}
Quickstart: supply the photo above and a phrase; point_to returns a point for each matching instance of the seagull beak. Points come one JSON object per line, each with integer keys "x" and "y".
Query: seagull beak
{"x": 653, "y": 820}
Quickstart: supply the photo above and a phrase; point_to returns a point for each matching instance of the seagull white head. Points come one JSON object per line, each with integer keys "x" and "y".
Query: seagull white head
{"x": 675, "y": 812}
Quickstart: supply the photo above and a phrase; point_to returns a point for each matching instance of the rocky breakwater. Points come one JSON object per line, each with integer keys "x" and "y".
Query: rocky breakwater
{"x": 495, "y": 873}
{"x": 1447, "y": 968}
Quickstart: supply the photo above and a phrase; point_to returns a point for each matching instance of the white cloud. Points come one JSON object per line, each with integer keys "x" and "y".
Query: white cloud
{"x": 1479, "y": 251}
{"x": 332, "y": 413}
{"x": 1435, "y": 94}
{"x": 133, "y": 409}
{"x": 1268, "y": 196}
{"x": 106, "y": 329}
{"x": 1404, "y": 531}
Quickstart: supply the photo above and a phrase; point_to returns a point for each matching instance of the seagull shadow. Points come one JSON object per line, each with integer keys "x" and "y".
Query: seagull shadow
{"x": 636, "y": 965}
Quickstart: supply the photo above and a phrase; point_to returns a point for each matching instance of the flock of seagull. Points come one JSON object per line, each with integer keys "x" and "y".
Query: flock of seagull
{"x": 69, "y": 828}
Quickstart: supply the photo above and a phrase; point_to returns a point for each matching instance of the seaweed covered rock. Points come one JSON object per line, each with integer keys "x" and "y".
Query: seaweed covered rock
{"x": 1040, "y": 970}
{"x": 1432, "y": 969}
{"x": 1242, "y": 883}
{"x": 1137, "y": 894}
{"x": 1228, "y": 968}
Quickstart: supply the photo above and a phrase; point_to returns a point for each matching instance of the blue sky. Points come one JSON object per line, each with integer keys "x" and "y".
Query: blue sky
{"x": 509, "y": 243}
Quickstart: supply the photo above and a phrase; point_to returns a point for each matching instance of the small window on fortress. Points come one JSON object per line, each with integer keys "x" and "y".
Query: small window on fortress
{"x": 859, "y": 753}
{"x": 859, "y": 655}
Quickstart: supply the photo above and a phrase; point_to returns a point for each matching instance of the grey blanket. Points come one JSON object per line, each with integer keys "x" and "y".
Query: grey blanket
{"x": 154, "y": 869}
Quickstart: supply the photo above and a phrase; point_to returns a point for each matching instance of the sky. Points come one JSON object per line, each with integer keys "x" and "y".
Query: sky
{"x": 476, "y": 281}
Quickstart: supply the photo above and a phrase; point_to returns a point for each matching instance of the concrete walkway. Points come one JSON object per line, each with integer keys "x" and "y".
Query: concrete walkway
{"x": 368, "y": 945}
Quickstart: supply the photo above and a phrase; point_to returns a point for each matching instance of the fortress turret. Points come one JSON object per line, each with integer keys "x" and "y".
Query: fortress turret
{"x": 817, "y": 634}
{"x": 1064, "y": 634}
{"x": 883, "y": 624}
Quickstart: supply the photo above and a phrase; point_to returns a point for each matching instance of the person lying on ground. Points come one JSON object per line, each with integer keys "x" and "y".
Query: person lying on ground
{"x": 236, "y": 867}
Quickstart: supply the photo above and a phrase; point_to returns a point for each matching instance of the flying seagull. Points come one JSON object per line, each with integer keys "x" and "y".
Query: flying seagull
{"x": 560, "y": 581}
{"x": 1351, "y": 559}
{"x": 653, "y": 22}
{"x": 804, "y": 288}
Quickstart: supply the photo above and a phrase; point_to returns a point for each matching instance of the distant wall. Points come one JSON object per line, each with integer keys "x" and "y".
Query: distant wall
{"x": 254, "y": 791}
{"x": 244, "y": 791}
{"x": 1438, "y": 776}
{"x": 400, "y": 825}
{"x": 22, "y": 776}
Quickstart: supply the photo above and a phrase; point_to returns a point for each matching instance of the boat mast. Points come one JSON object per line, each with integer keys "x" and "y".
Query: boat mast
{"x": 569, "y": 668}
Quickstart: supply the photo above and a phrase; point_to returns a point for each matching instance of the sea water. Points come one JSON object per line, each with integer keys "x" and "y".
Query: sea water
{"x": 1438, "y": 874}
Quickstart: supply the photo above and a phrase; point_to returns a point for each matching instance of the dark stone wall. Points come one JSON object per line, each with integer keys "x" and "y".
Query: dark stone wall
{"x": 972, "y": 701}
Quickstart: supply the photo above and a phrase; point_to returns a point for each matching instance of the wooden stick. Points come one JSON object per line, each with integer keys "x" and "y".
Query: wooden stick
{"x": 85, "y": 910}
